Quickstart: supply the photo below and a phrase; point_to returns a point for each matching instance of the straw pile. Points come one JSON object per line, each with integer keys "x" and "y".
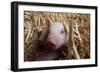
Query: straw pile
{"x": 77, "y": 26}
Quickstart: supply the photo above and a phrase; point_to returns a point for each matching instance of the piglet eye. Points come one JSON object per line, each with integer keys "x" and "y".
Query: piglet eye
{"x": 62, "y": 31}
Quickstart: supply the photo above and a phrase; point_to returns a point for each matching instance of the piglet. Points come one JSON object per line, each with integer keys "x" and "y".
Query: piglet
{"x": 51, "y": 41}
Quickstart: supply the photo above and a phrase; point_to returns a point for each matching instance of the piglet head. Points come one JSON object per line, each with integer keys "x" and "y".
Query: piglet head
{"x": 57, "y": 36}
{"x": 53, "y": 36}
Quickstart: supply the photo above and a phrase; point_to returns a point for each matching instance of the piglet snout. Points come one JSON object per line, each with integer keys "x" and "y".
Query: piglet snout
{"x": 51, "y": 44}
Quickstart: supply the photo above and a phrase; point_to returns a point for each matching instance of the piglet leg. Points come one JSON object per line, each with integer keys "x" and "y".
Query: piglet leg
{"x": 50, "y": 55}
{"x": 44, "y": 33}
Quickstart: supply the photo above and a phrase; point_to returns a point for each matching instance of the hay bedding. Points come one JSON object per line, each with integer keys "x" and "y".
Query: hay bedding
{"x": 80, "y": 37}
